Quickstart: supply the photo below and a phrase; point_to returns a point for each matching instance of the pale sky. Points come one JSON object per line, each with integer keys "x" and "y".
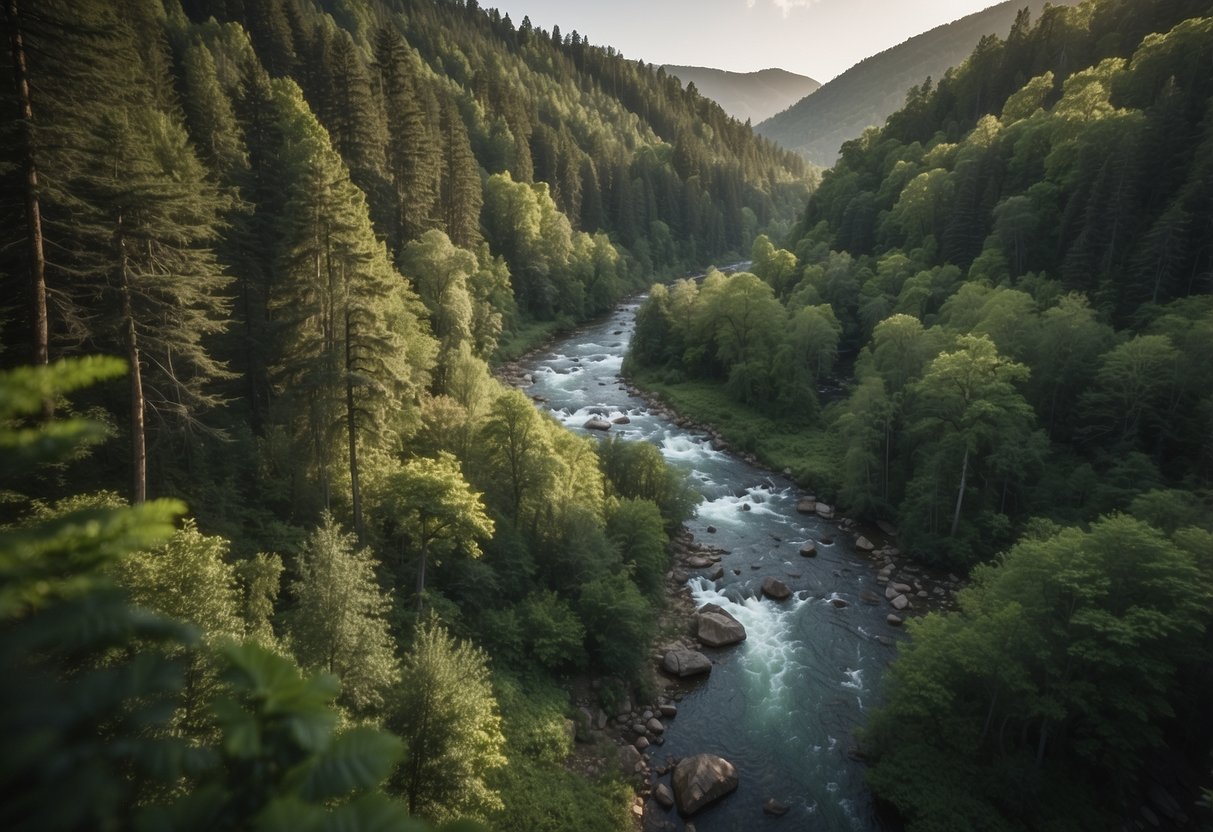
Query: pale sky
{"x": 818, "y": 38}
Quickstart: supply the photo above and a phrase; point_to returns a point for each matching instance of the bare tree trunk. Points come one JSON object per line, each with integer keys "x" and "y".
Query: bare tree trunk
{"x": 33, "y": 211}
{"x": 138, "y": 437}
{"x": 355, "y": 487}
{"x": 960, "y": 495}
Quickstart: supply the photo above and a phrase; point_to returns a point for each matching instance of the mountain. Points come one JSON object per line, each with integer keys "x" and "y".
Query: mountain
{"x": 867, "y": 93}
{"x": 747, "y": 95}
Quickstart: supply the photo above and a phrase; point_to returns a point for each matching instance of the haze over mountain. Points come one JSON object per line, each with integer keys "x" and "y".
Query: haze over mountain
{"x": 867, "y": 93}
{"x": 747, "y": 95}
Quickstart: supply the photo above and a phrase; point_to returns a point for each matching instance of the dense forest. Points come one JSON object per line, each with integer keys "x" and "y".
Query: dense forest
{"x": 1006, "y": 292}
{"x": 276, "y": 548}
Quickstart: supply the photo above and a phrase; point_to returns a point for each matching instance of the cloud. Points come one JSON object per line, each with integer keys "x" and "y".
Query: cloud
{"x": 786, "y": 5}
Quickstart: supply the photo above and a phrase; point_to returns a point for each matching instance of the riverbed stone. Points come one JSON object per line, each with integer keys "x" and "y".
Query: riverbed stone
{"x": 597, "y": 423}
{"x": 863, "y": 543}
{"x": 838, "y": 602}
{"x": 669, "y": 710}
{"x": 825, "y": 510}
{"x": 698, "y": 562}
{"x": 717, "y": 628}
{"x": 868, "y": 596}
{"x": 808, "y": 550}
{"x": 806, "y": 506}
{"x": 901, "y": 602}
{"x": 893, "y": 620}
{"x": 773, "y": 807}
{"x": 641, "y": 743}
{"x": 891, "y": 592}
{"x": 655, "y": 726}
{"x": 701, "y": 780}
{"x": 621, "y": 420}
{"x": 776, "y": 589}
{"x": 663, "y": 795}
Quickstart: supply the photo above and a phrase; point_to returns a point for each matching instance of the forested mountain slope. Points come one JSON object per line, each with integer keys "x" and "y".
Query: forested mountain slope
{"x": 1019, "y": 266}
{"x": 867, "y": 93}
{"x": 303, "y": 227}
{"x": 747, "y": 96}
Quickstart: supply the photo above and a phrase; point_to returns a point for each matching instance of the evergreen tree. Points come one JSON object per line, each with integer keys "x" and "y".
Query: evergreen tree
{"x": 446, "y": 713}
{"x": 339, "y": 622}
{"x": 351, "y": 346}
{"x": 413, "y": 150}
{"x": 459, "y": 196}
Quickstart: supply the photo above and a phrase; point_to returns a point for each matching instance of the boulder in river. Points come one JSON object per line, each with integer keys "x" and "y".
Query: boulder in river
{"x": 597, "y": 423}
{"x": 824, "y": 511}
{"x": 808, "y": 550}
{"x": 683, "y": 663}
{"x": 702, "y": 779}
{"x": 621, "y": 420}
{"x": 773, "y": 807}
{"x": 863, "y": 543}
{"x": 663, "y": 795}
{"x": 901, "y": 602}
{"x": 717, "y": 628}
{"x": 776, "y": 589}
{"x": 893, "y": 620}
{"x": 806, "y": 506}
{"x": 698, "y": 562}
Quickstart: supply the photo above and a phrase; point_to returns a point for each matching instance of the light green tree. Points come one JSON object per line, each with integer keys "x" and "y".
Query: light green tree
{"x": 445, "y": 711}
{"x": 432, "y": 511}
{"x": 967, "y": 401}
{"x": 339, "y": 622}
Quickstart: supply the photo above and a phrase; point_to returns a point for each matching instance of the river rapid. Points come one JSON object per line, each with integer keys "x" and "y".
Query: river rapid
{"x": 783, "y": 705}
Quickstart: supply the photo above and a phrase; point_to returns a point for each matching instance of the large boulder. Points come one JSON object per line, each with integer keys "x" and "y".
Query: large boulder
{"x": 776, "y": 589}
{"x": 717, "y": 628}
{"x": 806, "y": 506}
{"x": 808, "y": 550}
{"x": 597, "y": 423}
{"x": 684, "y": 663}
{"x": 702, "y": 779}
{"x": 863, "y": 543}
{"x": 824, "y": 511}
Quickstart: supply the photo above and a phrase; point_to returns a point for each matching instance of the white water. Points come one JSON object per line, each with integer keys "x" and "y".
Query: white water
{"x": 784, "y": 704}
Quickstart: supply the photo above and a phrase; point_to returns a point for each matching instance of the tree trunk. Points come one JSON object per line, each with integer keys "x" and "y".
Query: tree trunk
{"x": 960, "y": 495}
{"x": 355, "y": 487}
{"x": 33, "y": 211}
{"x": 138, "y": 437}
{"x": 425, "y": 545}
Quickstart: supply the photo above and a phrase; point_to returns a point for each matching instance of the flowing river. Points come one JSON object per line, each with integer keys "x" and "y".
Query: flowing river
{"x": 783, "y": 705}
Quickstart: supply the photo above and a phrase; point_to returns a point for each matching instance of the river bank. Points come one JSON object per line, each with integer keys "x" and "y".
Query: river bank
{"x": 784, "y": 704}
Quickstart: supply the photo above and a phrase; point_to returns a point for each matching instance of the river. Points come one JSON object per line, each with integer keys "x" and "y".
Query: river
{"x": 783, "y": 705}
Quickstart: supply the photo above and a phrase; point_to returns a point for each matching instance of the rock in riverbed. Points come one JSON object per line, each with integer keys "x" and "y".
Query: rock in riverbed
{"x": 717, "y": 628}
{"x": 683, "y": 663}
{"x": 702, "y": 779}
{"x": 776, "y": 589}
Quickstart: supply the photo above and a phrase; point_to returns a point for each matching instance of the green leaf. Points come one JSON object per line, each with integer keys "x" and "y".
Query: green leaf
{"x": 361, "y": 758}
{"x": 373, "y": 813}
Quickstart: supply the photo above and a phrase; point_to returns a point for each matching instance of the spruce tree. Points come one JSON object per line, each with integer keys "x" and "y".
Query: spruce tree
{"x": 460, "y": 196}
{"x": 351, "y": 345}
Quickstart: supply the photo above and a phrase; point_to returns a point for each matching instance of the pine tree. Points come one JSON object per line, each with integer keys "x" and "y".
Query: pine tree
{"x": 351, "y": 346}
{"x": 413, "y": 154}
{"x": 460, "y": 196}
{"x": 339, "y": 622}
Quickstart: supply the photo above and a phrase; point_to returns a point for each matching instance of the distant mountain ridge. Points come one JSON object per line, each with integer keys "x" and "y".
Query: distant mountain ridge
{"x": 869, "y": 92}
{"x": 747, "y": 95}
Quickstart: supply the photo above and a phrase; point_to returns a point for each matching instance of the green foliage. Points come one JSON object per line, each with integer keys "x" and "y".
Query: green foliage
{"x": 339, "y": 622}
{"x": 638, "y": 471}
{"x": 635, "y": 526}
{"x": 619, "y": 623}
{"x": 445, "y": 710}
{"x": 1052, "y": 681}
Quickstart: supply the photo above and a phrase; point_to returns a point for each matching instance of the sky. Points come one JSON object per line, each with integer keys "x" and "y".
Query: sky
{"x": 818, "y": 38}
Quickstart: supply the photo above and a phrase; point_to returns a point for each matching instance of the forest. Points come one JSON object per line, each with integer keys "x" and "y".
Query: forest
{"x": 277, "y": 549}
{"x": 993, "y": 327}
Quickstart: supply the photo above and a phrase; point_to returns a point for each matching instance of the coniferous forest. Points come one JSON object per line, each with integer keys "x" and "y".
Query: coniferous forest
{"x": 289, "y": 556}
{"x": 277, "y": 550}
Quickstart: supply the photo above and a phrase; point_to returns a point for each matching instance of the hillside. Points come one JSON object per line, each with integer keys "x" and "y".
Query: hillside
{"x": 867, "y": 93}
{"x": 256, "y": 259}
{"x": 1017, "y": 268}
{"x": 752, "y": 96}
